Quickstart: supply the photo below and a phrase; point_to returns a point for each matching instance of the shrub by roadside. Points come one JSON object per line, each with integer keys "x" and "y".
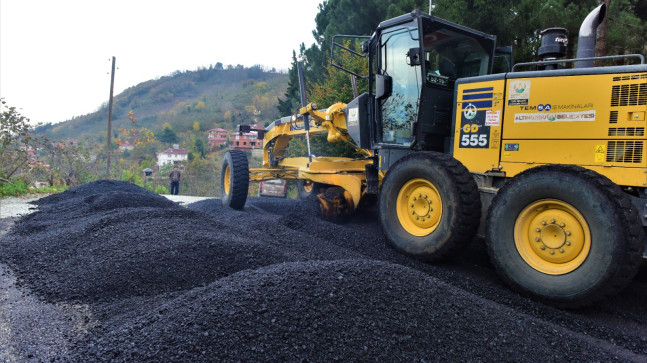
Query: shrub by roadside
{"x": 19, "y": 187}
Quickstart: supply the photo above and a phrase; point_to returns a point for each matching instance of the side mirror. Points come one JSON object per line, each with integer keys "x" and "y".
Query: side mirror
{"x": 365, "y": 46}
{"x": 415, "y": 59}
{"x": 383, "y": 86}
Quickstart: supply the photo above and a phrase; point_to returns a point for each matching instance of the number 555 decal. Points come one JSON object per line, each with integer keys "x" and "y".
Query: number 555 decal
{"x": 475, "y": 136}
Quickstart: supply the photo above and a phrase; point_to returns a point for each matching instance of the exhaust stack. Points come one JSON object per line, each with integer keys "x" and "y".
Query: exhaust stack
{"x": 586, "y": 40}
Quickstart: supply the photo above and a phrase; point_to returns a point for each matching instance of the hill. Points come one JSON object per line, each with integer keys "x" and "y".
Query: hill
{"x": 214, "y": 97}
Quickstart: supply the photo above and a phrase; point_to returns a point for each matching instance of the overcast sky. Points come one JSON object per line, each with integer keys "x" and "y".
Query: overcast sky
{"x": 55, "y": 55}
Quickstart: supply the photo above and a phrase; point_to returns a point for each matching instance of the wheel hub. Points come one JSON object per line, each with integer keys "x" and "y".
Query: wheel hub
{"x": 552, "y": 237}
{"x": 419, "y": 207}
{"x": 227, "y": 179}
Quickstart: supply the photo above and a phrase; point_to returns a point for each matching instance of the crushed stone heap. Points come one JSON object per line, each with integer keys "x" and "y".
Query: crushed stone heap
{"x": 272, "y": 282}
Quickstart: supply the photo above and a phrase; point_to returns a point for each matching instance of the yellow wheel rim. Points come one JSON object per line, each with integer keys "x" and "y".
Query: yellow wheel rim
{"x": 308, "y": 185}
{"x": 552, "y": 237}
{"x": 227, "y": 179}
{"x": 419, "y": 207}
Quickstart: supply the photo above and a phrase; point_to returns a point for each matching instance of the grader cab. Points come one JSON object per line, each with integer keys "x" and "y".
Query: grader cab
{"x": 543, "y": 159}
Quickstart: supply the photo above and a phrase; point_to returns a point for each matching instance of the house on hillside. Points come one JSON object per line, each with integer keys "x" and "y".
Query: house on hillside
{"x": 248, "y": 140}
{"x": 245, "y": 141}
{"x": 217, "y": 138}
{"x": 126, "y": 146}
{"x": 174, "y": 155}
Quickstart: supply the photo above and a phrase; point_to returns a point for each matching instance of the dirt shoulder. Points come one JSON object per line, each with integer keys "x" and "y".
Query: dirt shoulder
{"x": 17, "y": 206}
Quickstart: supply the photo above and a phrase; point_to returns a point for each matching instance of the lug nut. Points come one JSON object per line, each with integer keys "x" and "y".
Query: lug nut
{"x": 568, "y": 243}
{"x": 537, "y": 239}
{"x": 538, "y": 230}
{"x": 543, "y": 247}
{"x": 411, "y": 205}
{"x": 562, "y": 224}
{"x": 417, "y": 218}
{"x": 561, "y": 250}
{"x": 543, "y": 223}
{"x": 552, "y": 252}
{"x": 552, "y": 221}
{"x": 568, "y": 233}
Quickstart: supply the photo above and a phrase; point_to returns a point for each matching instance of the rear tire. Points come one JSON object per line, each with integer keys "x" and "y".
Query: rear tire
{"x": 234, "y": 179}
{"x": 429, "y": 206}
{"x": 564, "y": 235}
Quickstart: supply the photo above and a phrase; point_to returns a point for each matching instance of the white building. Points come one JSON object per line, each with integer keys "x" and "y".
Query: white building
{"x": 175, "y": 156}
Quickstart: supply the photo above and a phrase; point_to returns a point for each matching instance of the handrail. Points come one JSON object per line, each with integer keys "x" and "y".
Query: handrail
{"x": 335, "y": 44}
{"x": 557, "y": 61}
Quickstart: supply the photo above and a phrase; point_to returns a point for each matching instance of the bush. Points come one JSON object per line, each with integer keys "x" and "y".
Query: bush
{"x": 49, "y": 190}
{"x": 160, "y": 189}
{"x": 12, "y": 189}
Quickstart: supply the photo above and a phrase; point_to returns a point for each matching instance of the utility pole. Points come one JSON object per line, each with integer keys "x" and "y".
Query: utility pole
{"x": 431, "y": 6}
{"x": 112, "y": 86}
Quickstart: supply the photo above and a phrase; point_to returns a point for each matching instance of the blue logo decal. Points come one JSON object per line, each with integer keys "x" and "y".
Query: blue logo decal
{"x": 545, "y": 107}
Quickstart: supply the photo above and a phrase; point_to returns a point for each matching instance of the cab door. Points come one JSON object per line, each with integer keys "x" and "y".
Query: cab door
{"x": 398, "y": 111}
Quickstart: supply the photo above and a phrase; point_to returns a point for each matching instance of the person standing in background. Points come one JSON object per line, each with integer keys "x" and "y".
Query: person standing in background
{"x": 175, "y": 181}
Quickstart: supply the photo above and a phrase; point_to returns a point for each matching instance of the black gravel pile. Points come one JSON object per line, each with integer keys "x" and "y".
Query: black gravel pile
{"x": 345, "y": 310}
{"x": 95, "y": 188}
{"x": 272, "y": 282}
{"x": 68, "y": 207}
{"x": 98, "y": 245}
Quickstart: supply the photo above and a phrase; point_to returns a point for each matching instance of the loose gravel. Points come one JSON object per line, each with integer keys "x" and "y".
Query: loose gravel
{"x": 115, "y": 272}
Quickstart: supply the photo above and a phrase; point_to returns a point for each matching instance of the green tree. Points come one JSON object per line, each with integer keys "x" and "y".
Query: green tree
{"x": 356, "y": 17}
{"x": 627, "y": 27}
{"x": 168, "y": 136}
{"x": 291, "y": 100}
{"x": 69, "y": 163}
{"x": 16, "y": 141}
{"x": 199, "y": 148}
{"x": 336, "y": 85}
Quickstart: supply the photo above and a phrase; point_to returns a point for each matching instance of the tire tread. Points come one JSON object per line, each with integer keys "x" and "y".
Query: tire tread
{"x": 629, "y": 259}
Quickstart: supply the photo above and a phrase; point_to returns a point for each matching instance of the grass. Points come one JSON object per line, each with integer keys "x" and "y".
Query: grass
{"x": 19, "y": 188}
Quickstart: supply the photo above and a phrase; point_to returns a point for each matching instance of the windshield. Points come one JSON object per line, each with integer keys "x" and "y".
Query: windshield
{"x": 450, "y": 55}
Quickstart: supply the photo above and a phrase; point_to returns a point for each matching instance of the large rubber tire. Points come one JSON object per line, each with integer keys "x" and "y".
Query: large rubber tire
{"x": 429, "y": 206}
{"x": 564, "y": 235}
{"x": 307, "y": 188}
{"x": 234, "y": 179}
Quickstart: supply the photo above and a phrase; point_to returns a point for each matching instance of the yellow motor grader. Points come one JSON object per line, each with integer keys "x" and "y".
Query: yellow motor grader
{"x": 546, "y": 157}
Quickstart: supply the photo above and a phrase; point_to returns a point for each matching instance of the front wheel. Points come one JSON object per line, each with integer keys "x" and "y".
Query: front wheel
{"x": 429, "y": 206}
{"x": 234, "y": 179}
{"x": 564, "y": 235}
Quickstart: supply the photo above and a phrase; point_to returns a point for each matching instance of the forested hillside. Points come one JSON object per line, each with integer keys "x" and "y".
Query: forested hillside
{"x": 213, "y": 97}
